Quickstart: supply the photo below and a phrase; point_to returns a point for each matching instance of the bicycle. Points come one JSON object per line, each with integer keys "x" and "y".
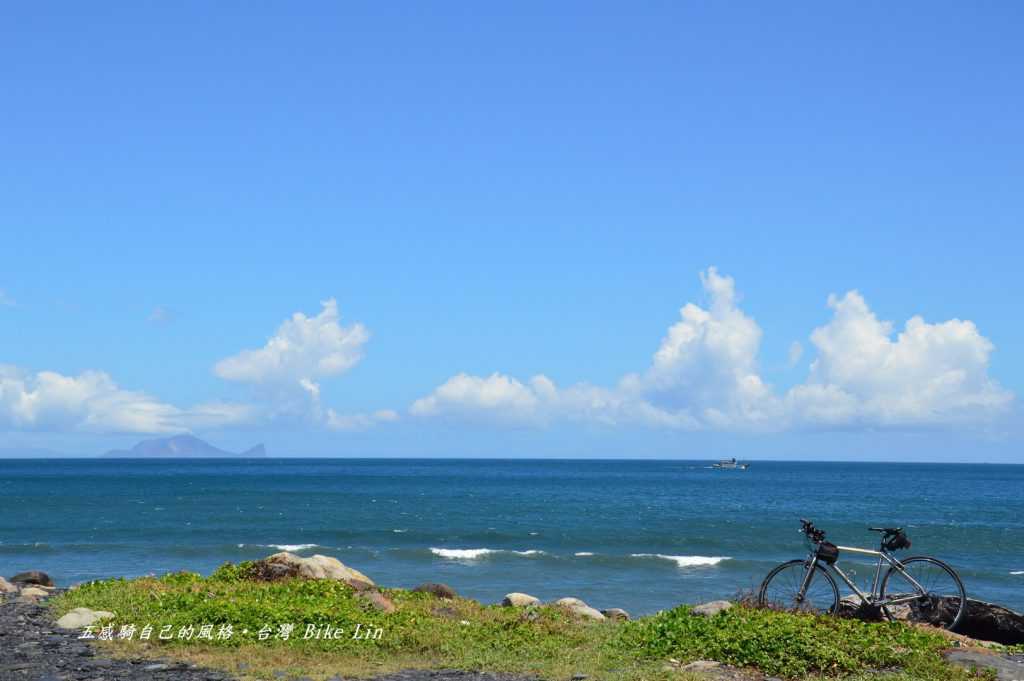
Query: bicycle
{"x": 917, "y": 589}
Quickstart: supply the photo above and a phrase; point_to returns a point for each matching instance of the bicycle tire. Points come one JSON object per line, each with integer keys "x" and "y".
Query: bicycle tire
{"x": 762, "y": 601}
{"x": 954, "y": 620}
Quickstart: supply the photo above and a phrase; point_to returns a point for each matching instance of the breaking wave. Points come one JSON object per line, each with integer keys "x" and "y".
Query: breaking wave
{"x": 684, "y": 561}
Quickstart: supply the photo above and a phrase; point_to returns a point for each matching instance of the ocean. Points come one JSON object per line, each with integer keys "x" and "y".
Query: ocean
{"x": 640, "y": 535}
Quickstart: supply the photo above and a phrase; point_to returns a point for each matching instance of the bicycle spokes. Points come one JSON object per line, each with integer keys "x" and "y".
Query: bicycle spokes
{"x": 781, "y": 590}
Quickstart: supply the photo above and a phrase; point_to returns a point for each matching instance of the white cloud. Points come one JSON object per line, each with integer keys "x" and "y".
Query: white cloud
{"x": 288, "y": 369}
{"x": 705, "y": 374}
{"x": 303, "y": 349}
{"x": 505, "y": 397}
{"x": 93, "y": 402}
{"x": 930, "y": 373}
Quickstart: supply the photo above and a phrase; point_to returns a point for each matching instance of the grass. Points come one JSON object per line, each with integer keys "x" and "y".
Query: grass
{"x": 426, "y": 632}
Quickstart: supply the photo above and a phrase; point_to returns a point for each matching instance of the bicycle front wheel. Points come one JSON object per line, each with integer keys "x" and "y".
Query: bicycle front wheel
{"x": 926, "y": 591}
{"x": 780, "y": 590}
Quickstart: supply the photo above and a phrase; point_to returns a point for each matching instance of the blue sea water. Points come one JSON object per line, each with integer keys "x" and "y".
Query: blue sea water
{"x": 642, "y": 535}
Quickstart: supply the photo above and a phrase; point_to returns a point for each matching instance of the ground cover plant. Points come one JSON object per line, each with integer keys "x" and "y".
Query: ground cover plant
{"x": 425, "y": 631}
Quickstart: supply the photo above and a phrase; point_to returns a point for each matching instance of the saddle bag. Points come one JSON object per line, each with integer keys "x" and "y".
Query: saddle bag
{"x": 828, "y": 552}
{"x": 898, "y": 541}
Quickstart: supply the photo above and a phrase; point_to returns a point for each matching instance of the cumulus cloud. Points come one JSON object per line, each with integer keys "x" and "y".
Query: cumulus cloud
{"x": 928, "y": 373}
{"x": 93, "y": 402}
{"x": 288, "y": 369}
{"x": 304, "y": 348}
{"x": 705, "y": 374}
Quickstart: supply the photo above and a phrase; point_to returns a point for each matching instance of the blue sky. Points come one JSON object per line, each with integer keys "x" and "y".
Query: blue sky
{"x": 505, "y": 192}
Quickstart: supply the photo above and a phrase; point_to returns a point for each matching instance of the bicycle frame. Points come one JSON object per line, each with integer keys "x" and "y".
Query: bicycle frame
{"x": 871, "y": 598}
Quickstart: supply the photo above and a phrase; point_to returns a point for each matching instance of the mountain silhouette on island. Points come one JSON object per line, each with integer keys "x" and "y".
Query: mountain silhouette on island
{"x": 180, "y": 446}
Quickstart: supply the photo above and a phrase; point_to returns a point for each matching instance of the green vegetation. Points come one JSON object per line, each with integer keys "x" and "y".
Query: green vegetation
{"x": 428, "y": 632}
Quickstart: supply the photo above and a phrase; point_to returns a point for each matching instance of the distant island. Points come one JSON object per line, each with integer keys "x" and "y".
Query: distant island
{"x": 180, "y": 446}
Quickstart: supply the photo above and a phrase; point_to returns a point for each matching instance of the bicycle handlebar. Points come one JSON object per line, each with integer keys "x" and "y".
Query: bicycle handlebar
{"x": 808, "y": 528}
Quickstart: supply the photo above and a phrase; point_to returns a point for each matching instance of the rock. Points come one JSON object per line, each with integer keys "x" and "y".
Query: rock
{"x": 359, "y": 585}
{"x": 314, "y": 567}
{"x": 710, "y": 609}
{"x": 82, "y": 617}
{"x": 579, "y": 608}
{"x": 35, "y": 592}
{"x": 519, "y": 600}
{"x": 6, "y": 587}
{"x": 32, "y": 577}
{"x": 1005, "y": 669}
{"x": 438, "y": 590}
{"x": 378, "y": 601}
{"x": 266, "y": 571}
{"x": 981, "y": 620}
{"x": 615, "y": 614}
{"x": 991, "y": 622}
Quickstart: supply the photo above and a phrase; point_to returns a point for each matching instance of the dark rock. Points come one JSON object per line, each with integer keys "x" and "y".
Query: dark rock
{"x": 438, "y": 590}
{"x": 270, "y": 571}
{"x": 32, "y": 577}
{"x": 981, "y": 620}
{"x": 991, "y": 622}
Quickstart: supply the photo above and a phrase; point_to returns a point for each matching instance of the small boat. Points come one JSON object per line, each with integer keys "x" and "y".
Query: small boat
{"x": 730, "y": 465}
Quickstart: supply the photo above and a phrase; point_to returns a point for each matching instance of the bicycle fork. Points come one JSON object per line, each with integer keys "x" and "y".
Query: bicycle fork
{"x": 808, "y": 575}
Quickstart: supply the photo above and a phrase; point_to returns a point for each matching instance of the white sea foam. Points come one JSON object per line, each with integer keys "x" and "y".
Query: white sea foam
{"x": 461, "y": 554}
{"x": 399, "y": 531}
{"x": 473, "y": 554}
{"x": 1017, "y": 572}
{"x": 684, "y": 561}
{"x": 293, "y": 547}
{"x": 583, "y": 553}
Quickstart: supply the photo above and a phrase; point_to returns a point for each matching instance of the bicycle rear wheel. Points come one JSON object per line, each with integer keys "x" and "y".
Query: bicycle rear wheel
{"x": 940, "y": 601}
{"x": 780, "y": 590}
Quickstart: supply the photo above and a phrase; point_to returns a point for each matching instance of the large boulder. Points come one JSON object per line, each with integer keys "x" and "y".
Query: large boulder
{"x": 32, "y": 577}
{"x": 991, "y": 622}
{"x": 438, "y": 590}
{"x": 6, "y": 587}
{"x": 284, "y": 564}
{"x": 519, "y": 600}
{"x": 579, "y": 608}
{"x": 34, "y": 592}
{"x": 711, "y": 608}
{"x": 82, "y": 617}
{"x": 981, "y": 620}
